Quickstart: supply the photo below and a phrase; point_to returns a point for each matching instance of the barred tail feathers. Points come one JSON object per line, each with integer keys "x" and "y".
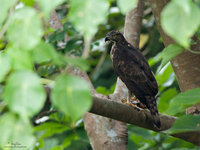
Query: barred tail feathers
{"x": 152, "y": 106}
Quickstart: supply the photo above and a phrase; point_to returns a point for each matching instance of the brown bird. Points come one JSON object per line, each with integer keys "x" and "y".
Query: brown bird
{"x": 133, "y": 69}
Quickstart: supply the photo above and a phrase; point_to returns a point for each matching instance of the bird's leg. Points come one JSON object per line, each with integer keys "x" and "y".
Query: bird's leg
{"x": 129, "y": 100}
{"x": 137, "y": 103}
{"x": 129, "y": 97}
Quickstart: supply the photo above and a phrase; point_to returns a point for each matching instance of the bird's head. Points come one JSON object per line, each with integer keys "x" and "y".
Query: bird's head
{"x": 114, "y": 36}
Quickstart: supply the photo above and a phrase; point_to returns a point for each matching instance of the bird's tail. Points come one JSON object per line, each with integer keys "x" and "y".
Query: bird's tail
{"x": 152, "y": 106}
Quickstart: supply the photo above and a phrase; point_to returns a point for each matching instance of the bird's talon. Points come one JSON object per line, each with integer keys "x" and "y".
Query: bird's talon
{"x": 124, "y": 100}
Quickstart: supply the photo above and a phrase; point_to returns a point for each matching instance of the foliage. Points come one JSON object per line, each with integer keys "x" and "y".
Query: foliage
{"x": 170, "y": 52}
{"x": 71, "y": 95}
{"x": 180, "y": 102}
{"x": 126, "y": 5}
{"x": 33, "y": 55}
{"x": 179, "y": 20}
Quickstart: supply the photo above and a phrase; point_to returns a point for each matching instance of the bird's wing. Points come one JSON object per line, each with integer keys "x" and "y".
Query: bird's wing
{"x": 135, "y": 72}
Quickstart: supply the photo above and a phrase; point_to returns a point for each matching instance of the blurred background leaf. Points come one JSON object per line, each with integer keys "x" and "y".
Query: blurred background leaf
{"x": 23, "y": 29}
{"x": 126, "y": 5}
{"x": 72, "y": 96}
{"x": 183, "y": 100}
{"x": 4, "y": 7}
{"x": 24, "y": 93}
{"x": 179, "y": 20}
{"x": 185, "y": 123}
{"x": 170, "y": 52}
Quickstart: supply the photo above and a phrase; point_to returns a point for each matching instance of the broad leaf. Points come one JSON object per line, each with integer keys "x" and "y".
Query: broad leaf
{"x": 71, "y": 95}
{"x": 78, "y": 62}
{"x": 180, "y": 19}
{"x": 186, "y": 123}
{"x": 28, "y": 2}
{"x": 86, "y": 15}
{"x": 183, "y": 100}
{"x": 165, "y": 76}
{"x": 45, "y": 52}
{"x": 169, "y": 53}
{"x": 4, "y": 8}
{"x": 24, "y": 93}
{"x": 15, "y": 132}
{"x": 51, "y": 128}
{"x": 126, "y": 5}
{"x": 47, "y": 6}
{"x": 67, "y": 141}
{"x": 20, "y": 59}
{"x": 4, "y": 65}
{"x": 25, "y": 29}
{"x": 165, "y": 98}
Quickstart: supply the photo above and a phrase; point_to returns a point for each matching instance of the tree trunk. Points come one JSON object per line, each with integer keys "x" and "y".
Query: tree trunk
{"x": 186, "y": 65}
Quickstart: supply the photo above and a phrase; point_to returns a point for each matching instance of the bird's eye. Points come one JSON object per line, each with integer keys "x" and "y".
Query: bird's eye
{"x": 115, "y": 36}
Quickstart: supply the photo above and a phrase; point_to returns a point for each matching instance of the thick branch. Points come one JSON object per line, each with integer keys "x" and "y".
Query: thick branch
{"x": 124, "y": 113}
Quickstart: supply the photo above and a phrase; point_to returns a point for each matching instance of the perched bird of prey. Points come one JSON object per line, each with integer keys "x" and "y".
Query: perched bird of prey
{"x": 133, "y": 69}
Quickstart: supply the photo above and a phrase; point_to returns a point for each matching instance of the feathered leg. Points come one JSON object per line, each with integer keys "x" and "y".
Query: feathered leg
{"x": 131, "y": 101}
{"x": 129, "y": 97}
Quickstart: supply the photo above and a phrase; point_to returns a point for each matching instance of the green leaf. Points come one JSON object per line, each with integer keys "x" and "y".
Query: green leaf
{"x": 165, "y": 98}
{"x": 57, "y": 147}
{"x": 15, "y": 131}
{"x": 169, "y": 53}
{"x": 183, "y": 100}
{"x": 24, "y": 93}
{"x": 4, "y": 65}
{"x": 165, "y": 74}
{"x": 49, "y": 143}
{"x": 4, "y": 8}
{"x": 25, "y": 29}
{"x": 67, "y": 141}
{"x": 180, "y": 20}
{"x": 51, "y": 128}
{"x": 78, "y": 62}
{"x": 20, "y": 59}
{"x": 186, "y": 123}
{"x": 45, "y": 52}
{"x": 28, "y": 2}
{"x": 126, "y": 5}
{"x": 86, "y": 15}
{"x": 48, "y": 6}
{"x": 71, "y": 95}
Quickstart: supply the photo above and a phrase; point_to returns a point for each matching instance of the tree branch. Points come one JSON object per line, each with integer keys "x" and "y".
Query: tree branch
{"x": 124, "y": 113}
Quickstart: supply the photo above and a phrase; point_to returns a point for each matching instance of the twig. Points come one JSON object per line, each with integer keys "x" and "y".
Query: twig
{"x": 100, "y": 63}
{"x": 5, "y": 26}
{"x": 86, "y": 48}
{"x": 193, "y": 51}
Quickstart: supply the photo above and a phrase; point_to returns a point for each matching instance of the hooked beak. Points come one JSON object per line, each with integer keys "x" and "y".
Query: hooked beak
{"x": 107, "y": 39}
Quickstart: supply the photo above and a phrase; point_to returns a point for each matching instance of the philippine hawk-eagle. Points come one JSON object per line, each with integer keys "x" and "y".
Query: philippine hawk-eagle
{"x": 133, "y": 69}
